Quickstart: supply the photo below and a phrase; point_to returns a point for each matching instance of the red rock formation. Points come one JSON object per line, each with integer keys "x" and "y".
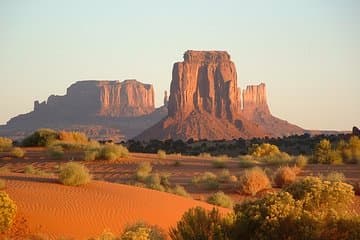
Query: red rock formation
{"x": 204, "y": 101}
{"x": 254, "y": 99}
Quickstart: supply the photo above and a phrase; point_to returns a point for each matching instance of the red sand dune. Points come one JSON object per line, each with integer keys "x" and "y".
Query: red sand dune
{"x": 81, "y": 212}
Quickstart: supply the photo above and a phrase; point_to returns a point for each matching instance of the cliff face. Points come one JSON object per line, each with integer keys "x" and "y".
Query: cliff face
{"x": 204, "y": 102}
{"x": 127, "y": 106}
{"x": 204, "y": 82}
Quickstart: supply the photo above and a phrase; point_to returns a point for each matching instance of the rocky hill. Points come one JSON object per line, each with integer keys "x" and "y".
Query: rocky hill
{"x": 206, "y": 103}
{"x": 103, "y": 109}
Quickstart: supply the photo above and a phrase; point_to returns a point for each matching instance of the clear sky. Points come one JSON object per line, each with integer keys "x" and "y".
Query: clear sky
{"x": 307, "y": 52}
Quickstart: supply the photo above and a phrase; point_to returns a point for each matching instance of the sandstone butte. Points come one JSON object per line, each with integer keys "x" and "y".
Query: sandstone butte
{"x": 206, "y": 103}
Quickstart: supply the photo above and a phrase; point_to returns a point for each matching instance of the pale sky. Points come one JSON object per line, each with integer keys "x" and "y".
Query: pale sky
{"x": 307, "y": 52}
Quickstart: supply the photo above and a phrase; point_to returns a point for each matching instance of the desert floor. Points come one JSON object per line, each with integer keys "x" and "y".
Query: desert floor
{"x": 47, "y": 207}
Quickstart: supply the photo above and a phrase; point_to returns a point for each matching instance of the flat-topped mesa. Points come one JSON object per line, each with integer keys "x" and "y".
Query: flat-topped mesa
{"x": 206, "y": 56}
{"x": 205, "y": 81}
{"x": 113, "y": 98}
{"x": 254, "y": 100}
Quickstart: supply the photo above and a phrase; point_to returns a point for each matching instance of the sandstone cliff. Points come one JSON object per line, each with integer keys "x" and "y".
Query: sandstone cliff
{"x": 122, "y": 108}
{"x": 206, "y": 103}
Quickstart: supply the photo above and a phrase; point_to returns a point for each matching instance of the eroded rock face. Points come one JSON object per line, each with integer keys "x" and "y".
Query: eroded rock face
{"x": 126, "y": 106}
{"x": 205, "y": 82}
{"x": 254, "y": 99}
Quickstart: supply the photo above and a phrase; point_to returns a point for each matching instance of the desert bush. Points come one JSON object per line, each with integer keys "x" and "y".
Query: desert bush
{"x": 74, "y": 137}
{"x": 246, "y": 161}
{"x": 154, "y": 182}
{"x": 275, "y": 216}
{"x": 324, "y": 153}
{"x": 7, "y": 211}
{"x": 55, "y": 151}
{"x": 205, "y": 155}
{"x": 179, "y": 190}
{"x": 220, "y": 162}
{"x": 263, "y": 150}
{"x": 207, "y": 180}
{"x": 30, "y": 169}
{"x": 281, "y": 158}
{"x": 322, "y": 198}
{"x": 106, "y": 235}
{"x": 5, "y": 144}
{"x": 17, "y": 152}
{"x": 177, "y": 163}
{"x": 161, "y": 154}
{"x": 42, "y": 137}
{"x": 342, "y": 228}
{"x": 74, "y": 174}
{"x": 220, "y": 199}
{"x": 224, "y": 176}
{"x": 350, "y": 151}
{"x": 199, "y": 224}
{"x": 4, "y": 169}
{"x": 143, "y": 231}
{"x": 164, "y": 179}
{"x": 254, "y": 180}
{"x": 143, "y": 171}
{"x": 334, "y": 177}
{"x": 90, "y": 155}
{"x": 301, "y": 161}
{"x": 284, "y": 176}
{"x": 2, "y": 184}
{"x": 113, "y": 152}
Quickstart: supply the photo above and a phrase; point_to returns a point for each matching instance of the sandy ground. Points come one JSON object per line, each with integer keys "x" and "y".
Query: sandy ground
{"x": 81, "y": 212}
{"x": 49, "y": 207}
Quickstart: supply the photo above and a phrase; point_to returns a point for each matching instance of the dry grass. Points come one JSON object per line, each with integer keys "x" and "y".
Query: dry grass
{"x": 253, "y": 181}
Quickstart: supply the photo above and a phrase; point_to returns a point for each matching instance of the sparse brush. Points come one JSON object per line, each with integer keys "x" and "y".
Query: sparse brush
{"x": 284, "y": 176}
{"x": 106, "y": 235}
{"x": 220, "y": 199}
{"x": 219, "y": 162}
{"x": 334, "y": 177}
{"x": 113, "y": 152}
{"x": 177, "y": 163}
{"x": 154, "y": 182}
{"x": 246, "y": 161}
{"x": 4, "y": 169}
{"x": 143, "y": 171}
{"x": 17, "y": 152}
{"x": 206, "y": 180}
{"x": 143, "y": 231}
{"x": 90, "y": 155}
{"x": 74, "y": 174}
{"x": 179, "y": 190}
{"x": 31, "y": 170}
{"x": 161, "y": 154}
{"x": 254, "y": 180}
{"x": 301, "y": 161}
{"x": 55, "y": 151}
{"x": 224, "y": 176}
{"x": 205, "y": 155}
{"x": 5, "y": 144}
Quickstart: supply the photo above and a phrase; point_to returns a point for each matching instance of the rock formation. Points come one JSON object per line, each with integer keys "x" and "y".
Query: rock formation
{"x": 102, "y": 106}
{"x": 206, "y": 103}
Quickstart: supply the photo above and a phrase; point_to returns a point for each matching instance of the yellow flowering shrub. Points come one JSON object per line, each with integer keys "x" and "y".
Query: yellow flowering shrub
{"x": 7, "y": 211}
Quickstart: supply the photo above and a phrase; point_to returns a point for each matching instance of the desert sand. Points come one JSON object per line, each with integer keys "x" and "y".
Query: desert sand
{"x": 55, "y": 210}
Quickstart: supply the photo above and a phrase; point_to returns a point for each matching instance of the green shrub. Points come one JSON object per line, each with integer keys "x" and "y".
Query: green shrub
{"x": 90, "y": 155}
{"x": 2, "y": 184}
{"x": 17, "y": 152}
{"x": 301, "y": 161}
{"x": 30, "y": 169}
{"x": 253, "y": 181}
{"x": 143, "y": 231}
{"x": 350, "y": 151}
{"x": 179, "y": 190}
{"x": 199, "y": 224}
{"x": 161, "y": 154}
{"x": 246, "y": 161}
{"x": 7, "y": 211}
{"x": 55, "y": 151}
{"x": 219, "y": 162}
{"x": 5, "y": 144}
{"x": 284, "y": 176}
{"x": 113, "y": 152}
{"x": 206, "y": 180}
{"x": 42, "y": 137}
{"x": 154, "y": 182}
{"x": 322, "y": 197}
{"x": 74, "y": 174}
{"x": 220, "y": 199}
{"x": 325, "y": 154}
{"x": 263, "y": 150}
{"x": 143, "y": 171}
{"x": 334, "y": 177}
